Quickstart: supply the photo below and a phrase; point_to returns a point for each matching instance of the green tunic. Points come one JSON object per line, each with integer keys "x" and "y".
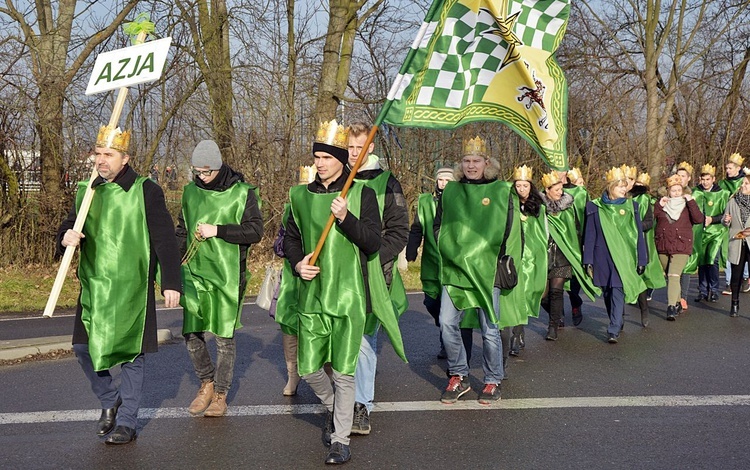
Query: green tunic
{"x": 430, "y": 268}
{"x": 653, "y": 276}
{"x": 471, "y": 235}
{"x": 562, "y": 229}
{"x": 114, "y": 281}
{"x": 730, "y": 185}
{"x": 711, "y": 238}
{"x": 212, "y": 299}
{"x": 396, "y": 291}
{"x": 532, "y": 273}
{"x": 332, "y": 305}
{"x": 621, "y": 235}
{"x": 286, "y": 303}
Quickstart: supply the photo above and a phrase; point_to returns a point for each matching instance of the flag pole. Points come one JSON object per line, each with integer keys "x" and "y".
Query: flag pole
{"x": 86, "y": 203}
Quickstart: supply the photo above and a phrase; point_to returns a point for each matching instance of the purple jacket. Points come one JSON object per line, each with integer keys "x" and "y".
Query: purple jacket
{"x": 675, "y": 237}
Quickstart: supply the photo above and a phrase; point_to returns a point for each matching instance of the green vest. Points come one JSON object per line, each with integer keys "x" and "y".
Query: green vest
{"x": 653, "y": 276}
{"x": 212, "y": 299}
{"x": 621, "y": 235}
{"x": 114, "y": 272}
{"x": 562, "y": 229}
{"x": 430, "y": 267}
{"x": 397, "y": 291}
{"x": 286, "y": 303}
{"x": 471, "y": 234}
{"x": 332, "y": 305}
{"x": 713, "y": 237}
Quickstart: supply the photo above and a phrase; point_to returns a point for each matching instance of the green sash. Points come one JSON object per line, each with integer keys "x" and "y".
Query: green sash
{"x": 212, "y": 299}
{"x": 397, "y": 291}
{"x": 286, "y": 303}
{"x": 562, "y": 229}
{"x": 430, "y": 268}
{"x": 621, "y": 234}
{"x": 580, "y": 198}
{"x": 712, "y": 237}
{"x": 114, "y": 270}
{"x": 471, "y": 234}
{"x": 653, "y": 276}
{"x": 332, "y": 305}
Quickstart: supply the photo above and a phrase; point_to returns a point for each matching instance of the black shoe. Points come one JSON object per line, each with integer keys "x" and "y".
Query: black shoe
{"x": 338, "y": 454}
{"x": 612, "y": 339}
{"x": 107, "y": 419}
{"x": 649, "y": 294}
{"x": 361, "y": 423}
{"x": 700, "y": 298}
{"x": 515, "y": 346}
{"x": 551, "y": 334}
{"x": 713, "y": 297}
{"x": 121, "y": 435}
{"x": 678, "y": 308}
{"x": 671, "y": 313}
{"x": 457, "y": 387}
{"x": 522, "y": 340}
{"x": 561, "y": 323}
{"x": 328, "y": 429}
{"x": 577, "y": 316}
{"x": 735, "y": 310}
{"x": 644, "y": 317}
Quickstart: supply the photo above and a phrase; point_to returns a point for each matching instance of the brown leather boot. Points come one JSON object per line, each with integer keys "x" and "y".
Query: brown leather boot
{"x": 290, "y": 356}
{"x": 218, "y": 406}
{"x": 202, "y": 399}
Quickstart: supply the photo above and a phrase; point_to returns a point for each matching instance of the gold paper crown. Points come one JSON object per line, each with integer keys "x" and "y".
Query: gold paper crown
{"x": 550, "y": 179}
{"x": 113, "y": 138}
{"x": 673, "y": 180}
{"x": 686, "y": 166}
{"x": 307, "y": 174}
{"x": 475, "y": 146}
{"x": 630, "y": 171}
{"x": 736, "y": 158}
{"x": 708, "y": 169}
{"x": 523, "y": 173}
{"x": 615, "y": 174}
{"x": 644, "y": 179}
{"x": 332, "y": 133}
{"x": 574, "y": 174}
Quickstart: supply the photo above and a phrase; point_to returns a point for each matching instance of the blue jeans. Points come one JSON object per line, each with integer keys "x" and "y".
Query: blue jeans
{"x": 492, "y": 345}
{"x": 708, "y": 278}
{"x": 728, "y": 273}
{"x": 364, "y": 376}
{"x": 614, "y": 300}
{"x": 131, "y": 385}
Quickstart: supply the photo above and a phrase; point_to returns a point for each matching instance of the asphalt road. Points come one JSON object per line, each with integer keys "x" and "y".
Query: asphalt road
{"x": 673, "y": 396}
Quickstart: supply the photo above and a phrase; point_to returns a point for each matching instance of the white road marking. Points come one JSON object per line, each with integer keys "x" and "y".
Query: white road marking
{"x": 402, "y": 406}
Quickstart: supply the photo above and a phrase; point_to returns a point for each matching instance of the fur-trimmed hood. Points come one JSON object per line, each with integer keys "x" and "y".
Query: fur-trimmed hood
{"x": 553, "y": 207}
{"x": 491, "y": 172}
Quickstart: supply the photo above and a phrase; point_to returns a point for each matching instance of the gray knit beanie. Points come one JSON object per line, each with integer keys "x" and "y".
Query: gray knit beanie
{"x": 207, "y": 155}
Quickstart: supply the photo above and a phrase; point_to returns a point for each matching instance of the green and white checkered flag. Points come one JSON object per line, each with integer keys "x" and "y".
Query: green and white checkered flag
{"x": 487, "y": 60}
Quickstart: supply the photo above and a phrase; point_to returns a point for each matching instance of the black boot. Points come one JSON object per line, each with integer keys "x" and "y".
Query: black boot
{"x": 671, "y": 313}
{"x": 735, "y": 310}
{"x": 551, "y": 333}
{"x": 515, "y": 346}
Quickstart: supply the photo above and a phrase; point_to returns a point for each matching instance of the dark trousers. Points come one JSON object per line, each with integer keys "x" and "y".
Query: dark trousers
{"x": 708, "y": 278}
{"x": 553, "y": 302}
{"x": 223, "y": 373}
{"x": 574, "y": 294}
{"x": 737, "y": 272}
{"x": 614, "y": 300}
{"x": 131, "y": 385}
{"x": 467, "y": 334}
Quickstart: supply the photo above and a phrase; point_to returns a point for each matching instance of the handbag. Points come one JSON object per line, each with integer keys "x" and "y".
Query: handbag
{"x": 267, "y": 288}
{"x": 506, "y": 272}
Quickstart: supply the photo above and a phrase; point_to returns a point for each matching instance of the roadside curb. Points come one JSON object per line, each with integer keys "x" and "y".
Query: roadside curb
{"x": 19, "y": 348}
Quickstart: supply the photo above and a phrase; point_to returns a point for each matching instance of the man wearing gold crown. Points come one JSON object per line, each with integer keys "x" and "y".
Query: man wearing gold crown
{"x": 127, "y": 232}
{"x": 477, "y": 203}
{"x": 394, "y": 234}
{"x": 613, "y": 220}
{"x": 336, "y": 295}
{"x": 709, "y": 238}
{"x": 732, "y": 182}
{"x": 221, "y": 219}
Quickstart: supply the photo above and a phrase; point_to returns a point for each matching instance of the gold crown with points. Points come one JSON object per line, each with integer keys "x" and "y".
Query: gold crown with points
{"x": 307, "y": 174}
{"x": 523, "y": 173}
{"x": 113, "y": 138}
{"x": 674, "y": 180}
{"x": 615, "y": 174}
{"x": 630, "y": 171}
{"x": 333, "y": 133}
{"x": 708, "y": 169}
{"x": 644, "y": 178}
{"x": 475, "y": 146}
{"x": 574, "y": 174}
{"x": 736, "y": 158}
{"x": 550, "y": 179}
{"x": 685, "y": 166}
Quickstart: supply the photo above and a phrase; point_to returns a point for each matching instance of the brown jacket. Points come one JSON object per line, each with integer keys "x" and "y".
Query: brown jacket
{"x": 675, "y": 237}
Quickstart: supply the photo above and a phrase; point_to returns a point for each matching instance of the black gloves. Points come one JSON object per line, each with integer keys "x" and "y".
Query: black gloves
{"x": 640, "y": 270}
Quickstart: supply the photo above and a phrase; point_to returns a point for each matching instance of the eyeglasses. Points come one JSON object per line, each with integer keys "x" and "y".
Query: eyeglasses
{"x": 197, "y": 172}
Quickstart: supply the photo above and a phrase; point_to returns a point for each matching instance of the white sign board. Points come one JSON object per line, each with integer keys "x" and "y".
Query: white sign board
{"x": 129, "y": 66}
